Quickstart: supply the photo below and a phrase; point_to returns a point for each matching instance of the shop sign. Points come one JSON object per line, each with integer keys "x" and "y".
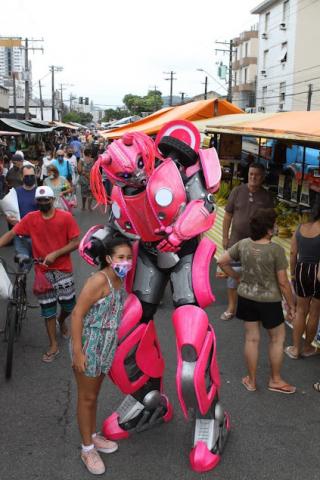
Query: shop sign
{"x": 304, "y": 197}
{"x": 281, "y": 185}
{"x": 294, "y": 190}
{"x": 230, "y": 146}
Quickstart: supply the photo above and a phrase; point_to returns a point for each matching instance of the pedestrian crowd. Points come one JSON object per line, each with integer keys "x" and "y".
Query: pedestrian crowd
{"x": 258, "y": 285}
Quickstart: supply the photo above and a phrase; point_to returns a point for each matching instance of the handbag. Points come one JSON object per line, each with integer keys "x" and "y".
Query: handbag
{"x": 5, "y": 284}
{"x": 41, "y": 283}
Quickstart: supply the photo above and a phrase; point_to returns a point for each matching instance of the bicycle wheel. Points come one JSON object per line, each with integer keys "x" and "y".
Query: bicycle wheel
{"x": 10, "y": 336}
{"x": 21, "y": 302}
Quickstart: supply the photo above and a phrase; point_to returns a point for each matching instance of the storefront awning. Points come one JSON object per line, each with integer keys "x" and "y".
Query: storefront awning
{"x": 299, "y": 127}
{"x": 192, "y": 111}
{"x": 22, "y": 126}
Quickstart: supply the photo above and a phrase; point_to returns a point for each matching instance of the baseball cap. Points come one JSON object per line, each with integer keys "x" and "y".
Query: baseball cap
{"x": 20, "y": 152}
{"x": 17, "y": 157}
{"x": 44, "y": 192}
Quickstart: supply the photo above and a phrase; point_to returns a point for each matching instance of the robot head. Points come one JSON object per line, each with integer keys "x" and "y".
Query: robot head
{"x": 91, "y": 245}
{"x": 129, "y": 160}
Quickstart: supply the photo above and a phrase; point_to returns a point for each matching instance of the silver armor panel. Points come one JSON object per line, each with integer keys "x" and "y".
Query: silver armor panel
{"x": 181, "y": 281}
{"x": 149, "y": 282}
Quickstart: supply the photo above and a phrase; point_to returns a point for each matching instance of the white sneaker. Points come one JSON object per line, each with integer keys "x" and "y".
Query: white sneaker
{"x": 93, "y": 462}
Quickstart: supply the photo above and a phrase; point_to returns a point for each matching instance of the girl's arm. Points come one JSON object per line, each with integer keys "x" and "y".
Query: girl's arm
{"x": 93, "y": 290}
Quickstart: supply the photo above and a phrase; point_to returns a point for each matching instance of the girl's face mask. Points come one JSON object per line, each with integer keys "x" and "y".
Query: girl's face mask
{"x": 121, "y": 269}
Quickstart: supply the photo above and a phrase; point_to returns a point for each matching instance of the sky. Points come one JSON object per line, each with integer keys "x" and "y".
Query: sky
{"x": 110, "y": 48}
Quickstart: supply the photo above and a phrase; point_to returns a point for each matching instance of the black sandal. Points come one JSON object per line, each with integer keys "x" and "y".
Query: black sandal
{"x": 316, "y": 386}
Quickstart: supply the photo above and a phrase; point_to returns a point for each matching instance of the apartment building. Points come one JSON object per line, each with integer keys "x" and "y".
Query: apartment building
{"x": 244, "y": 68}
{"x": 288, "y": 76}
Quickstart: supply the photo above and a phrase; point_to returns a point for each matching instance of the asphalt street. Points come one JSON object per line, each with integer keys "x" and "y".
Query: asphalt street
{"x": 273, "y": 436}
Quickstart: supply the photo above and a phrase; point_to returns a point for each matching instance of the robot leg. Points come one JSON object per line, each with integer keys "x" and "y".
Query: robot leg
{"x": 198, "y": 384}
{"x": 138, "y": 365}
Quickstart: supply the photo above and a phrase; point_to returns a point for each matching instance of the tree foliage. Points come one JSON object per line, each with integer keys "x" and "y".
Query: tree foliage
{"x": 149, "y": 103}
{"x": 114, "y": 114}
{"x": 78, "y": 117}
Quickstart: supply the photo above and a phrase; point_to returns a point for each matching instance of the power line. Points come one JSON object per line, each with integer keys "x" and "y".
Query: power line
{"x": 288, "y": 94}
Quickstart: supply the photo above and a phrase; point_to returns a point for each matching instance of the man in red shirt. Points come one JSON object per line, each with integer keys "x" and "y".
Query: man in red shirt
{"x": 54, "y": 235}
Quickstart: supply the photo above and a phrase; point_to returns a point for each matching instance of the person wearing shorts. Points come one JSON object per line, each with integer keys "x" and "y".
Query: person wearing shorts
{"x": 304, "y": 266}
{"x": 243, "y": 201}
{"x": 54, "y": 235}
{"x": 261, "y": 284}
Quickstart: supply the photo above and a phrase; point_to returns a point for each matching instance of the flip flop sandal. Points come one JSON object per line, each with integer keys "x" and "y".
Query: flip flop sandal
{"x": 316, "y": 386}
{"x": 288, "y": 351}
{"x": 246, "y": 384}
{"x": 50, "y": 357}
{"x": 286, "y": 389}
{"x": 316, "y": 351}
{"x": 227, "y": 316}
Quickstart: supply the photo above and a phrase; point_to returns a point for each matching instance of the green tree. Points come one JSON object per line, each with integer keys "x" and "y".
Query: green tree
{"x": 114, "y": 114}
{"x": 149, "y": 103}
{"x": 77, "y": 117}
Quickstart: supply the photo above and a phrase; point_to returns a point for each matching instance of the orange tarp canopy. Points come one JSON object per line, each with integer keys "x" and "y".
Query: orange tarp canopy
{"x": 190, "y": 111}
{"x": 296, "y": 126}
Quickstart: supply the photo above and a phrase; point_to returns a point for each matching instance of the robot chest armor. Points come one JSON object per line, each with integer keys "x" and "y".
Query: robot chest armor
{"x": 159, "y": 205}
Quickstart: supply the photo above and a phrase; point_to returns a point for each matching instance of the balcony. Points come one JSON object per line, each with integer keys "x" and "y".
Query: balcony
{"x": 246, "y": 61}
{"x": 244, "y": 87}
{"x": 236, "y": 65}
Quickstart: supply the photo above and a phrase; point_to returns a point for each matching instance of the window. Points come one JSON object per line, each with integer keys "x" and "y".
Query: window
{"x": 245, "y": 75}
{"x": 246, "y": 45}
{"x": 284, "y": 52}
{"x": 285, "y": 11}
{"x": 264, "y": 94}
{"x": 266, "y": 21}
{"x": 282, "y": 92}
{"x": 235, "y": 78}
{"x": 265, "y": 59}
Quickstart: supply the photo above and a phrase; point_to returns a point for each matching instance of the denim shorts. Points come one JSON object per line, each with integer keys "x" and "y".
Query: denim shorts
{"x": 231, "y": 282}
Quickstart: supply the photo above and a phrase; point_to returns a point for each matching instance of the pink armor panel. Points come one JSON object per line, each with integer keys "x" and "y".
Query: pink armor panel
{"x": 201, "y": 272}
{"x": 211, "y": 168}
{"x": 132, "y": 313}
{"x": 201, "y": 459}
{"x": 182, "y": 130}
{"x": 166, "y": 193}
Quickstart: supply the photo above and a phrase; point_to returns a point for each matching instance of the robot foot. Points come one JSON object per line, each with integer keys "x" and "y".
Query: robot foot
{"x": 209, "y": 441}
{"x": 133, "y": 416}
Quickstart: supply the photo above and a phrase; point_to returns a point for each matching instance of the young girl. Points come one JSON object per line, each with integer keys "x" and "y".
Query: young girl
{"x": 94, "y": 324}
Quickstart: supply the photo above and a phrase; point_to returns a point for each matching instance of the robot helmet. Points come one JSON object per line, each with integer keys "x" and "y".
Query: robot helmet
{"x": 91, "y": 245}
{"x": 129, "y": 160}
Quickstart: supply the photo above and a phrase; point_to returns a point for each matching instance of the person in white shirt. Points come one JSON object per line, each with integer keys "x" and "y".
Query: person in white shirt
{"x": 45, "y": 163}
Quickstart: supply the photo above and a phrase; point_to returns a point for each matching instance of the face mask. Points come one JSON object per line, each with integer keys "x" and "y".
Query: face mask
{"x": 69, "y": 155}
{"x": 60, "y": 159}
{"x": 121, "y": 269}
{"x": 44, "y": 207}
{"x": 51, "y": 176}
{"x": 29, "y": 180}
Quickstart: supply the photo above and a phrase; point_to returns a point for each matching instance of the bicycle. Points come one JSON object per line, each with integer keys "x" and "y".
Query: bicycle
{"x": 16, "y": 308}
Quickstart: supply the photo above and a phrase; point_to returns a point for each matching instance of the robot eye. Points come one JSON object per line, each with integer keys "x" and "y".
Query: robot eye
{"x": 140, "y": 163}
{"x": 125, "y": 175}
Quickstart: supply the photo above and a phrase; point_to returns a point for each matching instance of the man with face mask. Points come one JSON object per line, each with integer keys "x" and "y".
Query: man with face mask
{"x": 27, "y": 203}
{"x": 54, "y": 234}
{"x": 63, "y": 165}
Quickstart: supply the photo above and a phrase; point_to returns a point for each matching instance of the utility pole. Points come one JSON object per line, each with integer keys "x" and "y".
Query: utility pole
{"x": 27, "y": 75}
{"x": 206, "y": 88}
{"x": 228, "y": 50}
{"x": 155, "y": 98}
{"x": 14, "y": 94}
{"x": 182, "y": 96}
{"x": 309, "y": 97}
{"x": 53, "y": 68}
{"x": 40, "y": 96}
{"x": 26, "y": 80}
{"x": 171, "y": 78}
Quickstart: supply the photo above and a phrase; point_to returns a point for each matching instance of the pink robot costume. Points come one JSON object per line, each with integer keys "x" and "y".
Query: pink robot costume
{"x": 162, "y": 198}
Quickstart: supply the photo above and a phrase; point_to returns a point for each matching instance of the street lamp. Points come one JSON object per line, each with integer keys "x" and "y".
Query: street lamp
{"x": 211, "y": 76}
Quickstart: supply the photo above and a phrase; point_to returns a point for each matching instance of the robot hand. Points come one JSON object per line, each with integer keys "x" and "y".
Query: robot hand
{"x": 169, "y": 244}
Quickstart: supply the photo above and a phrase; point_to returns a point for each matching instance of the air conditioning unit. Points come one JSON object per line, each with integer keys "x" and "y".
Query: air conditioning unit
{"x": 283, "y": 26}
{"x": 263, "y": 72}
{"x": 264, "y": 36}
{"x": 261, "y": 109}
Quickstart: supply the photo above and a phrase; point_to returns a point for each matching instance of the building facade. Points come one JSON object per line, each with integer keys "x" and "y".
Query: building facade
{"x": 244, "y": 68}
{"x": 289, "y": 59}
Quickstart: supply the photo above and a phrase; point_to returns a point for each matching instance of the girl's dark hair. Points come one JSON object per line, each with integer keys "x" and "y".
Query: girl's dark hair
{"x": 260, "y": 222}
{"x": 315, "y": 211}
{"x": 110, "y": 248}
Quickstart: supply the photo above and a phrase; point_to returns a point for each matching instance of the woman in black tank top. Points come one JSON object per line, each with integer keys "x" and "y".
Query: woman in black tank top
{"x": 304, "y": 265}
